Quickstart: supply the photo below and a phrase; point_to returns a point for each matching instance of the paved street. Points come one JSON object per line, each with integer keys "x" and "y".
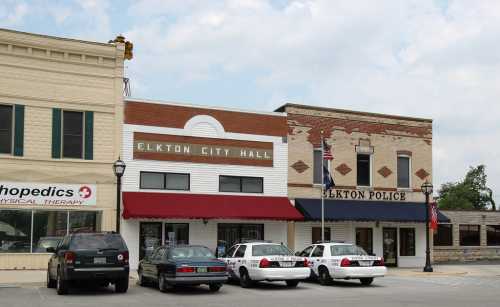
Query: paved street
{"x": 389, "y": 291}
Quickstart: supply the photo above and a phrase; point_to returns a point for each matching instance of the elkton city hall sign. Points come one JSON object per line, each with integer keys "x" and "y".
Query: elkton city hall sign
{"x": 202, "y": 150}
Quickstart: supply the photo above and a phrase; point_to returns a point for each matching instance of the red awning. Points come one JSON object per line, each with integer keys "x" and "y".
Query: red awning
{"x": 204, "y": 206}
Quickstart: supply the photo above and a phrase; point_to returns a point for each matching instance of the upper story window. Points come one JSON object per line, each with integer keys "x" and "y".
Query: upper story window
{"x": 317, "y": 166}
{"x": 164, "y": 181}
{"x": 72, "y": 134}
{"x": 6, "y": 126}
{"x": 241, "y": 184}
{"x": 363, "y": 170}
{"x": 403, "y": 172}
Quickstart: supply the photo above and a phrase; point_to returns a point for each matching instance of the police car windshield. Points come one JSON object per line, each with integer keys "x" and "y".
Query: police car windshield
{"x": 191, "y": 252}
{"x": 344, "y": 250}
{"x": 270, "y": 250}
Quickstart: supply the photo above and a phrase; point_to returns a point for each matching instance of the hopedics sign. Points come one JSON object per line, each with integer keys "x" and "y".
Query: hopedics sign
{"x": 166, "y": 147}
{"x": 21, "y": 193}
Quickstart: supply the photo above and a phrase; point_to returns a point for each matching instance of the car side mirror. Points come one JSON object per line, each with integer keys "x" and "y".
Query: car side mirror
{"x": 50, "y": 250}
{"x": 297, "y": 253}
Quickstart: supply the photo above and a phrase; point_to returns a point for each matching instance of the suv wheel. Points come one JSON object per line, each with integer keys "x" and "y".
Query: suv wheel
{"x": 51, "y": 283}
{"x": 61, "y": 284}
{"x": 121, "y": 285}
{"x": 245, "y": 280}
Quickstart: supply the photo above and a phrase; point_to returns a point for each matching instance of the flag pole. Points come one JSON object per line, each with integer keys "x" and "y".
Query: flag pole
{"x": 322, "y": 189}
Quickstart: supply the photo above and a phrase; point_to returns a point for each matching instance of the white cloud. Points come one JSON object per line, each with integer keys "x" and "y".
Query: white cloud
{"x": 410, "y": 58}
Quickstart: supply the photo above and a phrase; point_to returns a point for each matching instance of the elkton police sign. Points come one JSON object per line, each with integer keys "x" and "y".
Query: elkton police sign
{"x": 20, "y": 193}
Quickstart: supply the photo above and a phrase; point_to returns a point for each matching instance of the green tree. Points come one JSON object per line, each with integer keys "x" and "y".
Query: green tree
{"x": 471, "y": 193}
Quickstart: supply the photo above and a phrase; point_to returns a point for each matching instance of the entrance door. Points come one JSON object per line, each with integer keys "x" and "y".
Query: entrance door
{"x": 149, "y": 238}
{"x": 390, "y": 246}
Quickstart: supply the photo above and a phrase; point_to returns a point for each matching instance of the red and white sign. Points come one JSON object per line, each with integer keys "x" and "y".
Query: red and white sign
{"x": 434, "y": 218}
{"x": 50, "y": 194}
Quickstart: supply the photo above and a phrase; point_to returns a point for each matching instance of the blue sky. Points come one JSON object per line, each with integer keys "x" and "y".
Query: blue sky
{"x": 426, "y": 58}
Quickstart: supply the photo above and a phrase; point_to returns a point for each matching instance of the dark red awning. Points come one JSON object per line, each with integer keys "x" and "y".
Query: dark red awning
{"x": 205, "y": 206}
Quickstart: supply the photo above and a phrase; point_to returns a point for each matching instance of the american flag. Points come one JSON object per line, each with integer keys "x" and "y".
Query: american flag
{"x": 327, "y": 154}
{"x": 434, "y": 216}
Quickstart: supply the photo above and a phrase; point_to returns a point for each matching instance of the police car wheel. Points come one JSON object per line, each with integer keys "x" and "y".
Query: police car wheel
{"x": 366, "y": 281}
{"x": 324, "y": 276}
{"x": 245, "y": 280}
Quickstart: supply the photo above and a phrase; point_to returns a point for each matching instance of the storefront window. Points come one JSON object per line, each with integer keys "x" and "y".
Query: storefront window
{"x": 178, "y": 233}
{"x": 149, "y": 238}
{"x": 364, "y": 238}
{"x": 316, "y": 234}
{"x": 81, "y": 221}
{"x": 49, "y": 227}
{"x": 443, "y": 236}
{"x": 407, "y": 241}
{"x": 493, "y": 235}
{"x": 469, "y": 235}
{"x": 15, "y": 231}
{"x": 230, "y": 234}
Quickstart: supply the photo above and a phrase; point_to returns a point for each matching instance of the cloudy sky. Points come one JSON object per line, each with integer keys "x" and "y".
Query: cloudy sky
{"x": 437, "y": 59}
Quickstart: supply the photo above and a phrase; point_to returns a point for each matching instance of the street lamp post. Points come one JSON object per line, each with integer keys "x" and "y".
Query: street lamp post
{"x": 427, "y": 190}
{"x": 118, "y": 169}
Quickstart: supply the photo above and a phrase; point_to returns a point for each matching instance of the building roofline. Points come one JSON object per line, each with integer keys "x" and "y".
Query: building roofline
{"x": 317, "y": 108}
{"x": 189, "y": 105}
{"x": 58, "y": 38}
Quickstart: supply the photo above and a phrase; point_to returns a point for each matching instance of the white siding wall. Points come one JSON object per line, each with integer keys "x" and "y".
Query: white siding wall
{"x": 346, "y": 231}
{"x": 205, "y": 177}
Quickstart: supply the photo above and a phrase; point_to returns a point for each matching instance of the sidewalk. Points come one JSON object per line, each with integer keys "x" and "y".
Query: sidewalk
{"x": 479, "y": 270}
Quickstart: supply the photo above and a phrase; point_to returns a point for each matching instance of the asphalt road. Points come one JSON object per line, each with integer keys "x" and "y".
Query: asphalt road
{"x": 388, "y": 291}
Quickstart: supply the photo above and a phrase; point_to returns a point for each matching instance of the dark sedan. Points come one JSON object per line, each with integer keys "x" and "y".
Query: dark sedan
{"x": 194, "y": 265}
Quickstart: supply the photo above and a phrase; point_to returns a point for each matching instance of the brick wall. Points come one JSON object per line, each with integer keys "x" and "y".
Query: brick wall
{"x": 344, "y": 130}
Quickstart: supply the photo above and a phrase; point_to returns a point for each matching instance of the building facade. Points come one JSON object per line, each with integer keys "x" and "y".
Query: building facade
{"x": 380, "y": 162}
{"x": 202, "y": 175}
{"x": 469, "y": 236}
{"x": 61, "y": 107}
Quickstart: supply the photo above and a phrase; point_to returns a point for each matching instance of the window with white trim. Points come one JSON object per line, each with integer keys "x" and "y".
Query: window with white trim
{"x": 363, "y": 170}
{"x": 404, "y": 171}
{"x": 6, "y": 127}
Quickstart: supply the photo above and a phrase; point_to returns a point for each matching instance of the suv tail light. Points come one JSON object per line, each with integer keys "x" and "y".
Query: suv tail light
{"x": 345, "y": 262}
{"x": 185, "y": 269}
{"x": 264, "y": 263}
{"x": 69, "y": 257}
{"x": 379, "y": 262}
{"x": 123, "y": 257}
{"x": 217, "y": 269}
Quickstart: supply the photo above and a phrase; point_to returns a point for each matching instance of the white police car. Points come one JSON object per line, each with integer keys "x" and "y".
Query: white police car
{"x": 330, "y": 261}
{"x": 265, "y": 261}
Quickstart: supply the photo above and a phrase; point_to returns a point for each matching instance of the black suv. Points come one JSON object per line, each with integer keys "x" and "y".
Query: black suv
{"x": 101, "y": 258}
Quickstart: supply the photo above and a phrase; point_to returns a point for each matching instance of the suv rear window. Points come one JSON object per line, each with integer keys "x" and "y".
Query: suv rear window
{"x": 97, "y": 241}
{"x": 270, "y": 250}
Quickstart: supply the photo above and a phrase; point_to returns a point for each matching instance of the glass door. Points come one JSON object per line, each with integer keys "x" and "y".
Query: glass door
{"x": 149, "y": 238}
{"x": 390, "y": 246}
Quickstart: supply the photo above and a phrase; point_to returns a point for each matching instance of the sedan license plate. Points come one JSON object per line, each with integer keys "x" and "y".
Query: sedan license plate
{"x": 99, "y": 260}
{"x": 287, "y": 264}
{"x": 201, "y": 270}
{"x": 364, "y": 263}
